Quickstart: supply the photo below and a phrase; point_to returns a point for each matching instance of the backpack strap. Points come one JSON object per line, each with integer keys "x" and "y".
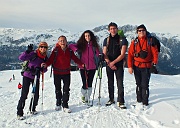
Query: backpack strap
{"x": 108, "y": 41}
{"x": 55, "y": 57}
{"x": 149, "y": 39}
{"x": 96, "y": 59}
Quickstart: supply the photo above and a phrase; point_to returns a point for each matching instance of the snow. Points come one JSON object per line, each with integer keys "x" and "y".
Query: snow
{"x": 163, "y": 111}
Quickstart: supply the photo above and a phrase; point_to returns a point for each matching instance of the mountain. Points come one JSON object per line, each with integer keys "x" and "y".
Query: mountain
{"x": 14, "y": 41}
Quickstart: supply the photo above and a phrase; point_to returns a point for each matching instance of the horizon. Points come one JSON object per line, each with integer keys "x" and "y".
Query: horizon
{"x": 158, "y": 16}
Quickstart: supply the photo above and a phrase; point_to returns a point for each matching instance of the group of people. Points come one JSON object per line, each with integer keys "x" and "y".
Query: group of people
{"x": 141, "y": 56}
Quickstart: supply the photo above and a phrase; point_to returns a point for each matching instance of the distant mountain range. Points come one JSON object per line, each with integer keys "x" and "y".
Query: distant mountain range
{"x": 14, "y": 41}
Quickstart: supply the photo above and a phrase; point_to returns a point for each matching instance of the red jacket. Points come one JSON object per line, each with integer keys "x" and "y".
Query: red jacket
{"x": 61, "y": 61}
{"x": 152, "y": 56}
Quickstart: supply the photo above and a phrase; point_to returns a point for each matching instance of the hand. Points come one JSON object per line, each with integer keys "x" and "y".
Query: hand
{"x": 29, "y": 48}
{"x": 83, "y": 65}
{"x": 113, "y": 67}
{"x": 130, "y": 70}
{"x": 43, "y": 65}
{"x": 153, "y": 69}
{"x": 76, "y": 53}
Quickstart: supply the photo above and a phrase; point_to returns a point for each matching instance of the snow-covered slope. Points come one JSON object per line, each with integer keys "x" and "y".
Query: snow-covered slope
{"x": 14, "y": 41}
{"x": 163, "y": 111}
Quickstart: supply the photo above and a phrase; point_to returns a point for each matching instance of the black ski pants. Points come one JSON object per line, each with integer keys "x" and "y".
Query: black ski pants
{"x": 64, "y": 97}
{"x": 142, "y": 77}
{"x": 119, "y": 78}
{"x": 24, "y": 93}
{"x": 90, "y": 77}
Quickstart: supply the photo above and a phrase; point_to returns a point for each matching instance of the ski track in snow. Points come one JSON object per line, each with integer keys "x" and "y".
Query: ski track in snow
{"x": 81, "y": 116}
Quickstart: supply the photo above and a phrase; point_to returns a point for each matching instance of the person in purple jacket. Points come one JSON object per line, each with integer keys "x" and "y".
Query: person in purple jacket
{"x": 88, "y": 50}
{"x": 35, "y": 58}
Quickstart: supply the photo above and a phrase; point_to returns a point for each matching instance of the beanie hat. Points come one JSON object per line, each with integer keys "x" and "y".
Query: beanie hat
{"x": 141, "y": 26}
{"x": 43, "y": 44}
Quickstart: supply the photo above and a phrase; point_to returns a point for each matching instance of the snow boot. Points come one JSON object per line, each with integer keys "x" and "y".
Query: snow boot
{"x": 110, "y": 102}
{"x": 121, "y": 105}
{"x": 57, "y": 108}
{"x": 67, "y": 110}
{"x": 19, "y": 117}
{"x": 83, "y": 99}
{"x": 34, "y": 112}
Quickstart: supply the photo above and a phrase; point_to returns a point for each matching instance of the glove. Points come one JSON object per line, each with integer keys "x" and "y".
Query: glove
{"x": 29, "y": 48}
{"x": 153, "y": 69}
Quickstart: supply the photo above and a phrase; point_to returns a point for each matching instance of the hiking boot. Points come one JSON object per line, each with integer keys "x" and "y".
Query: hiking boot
{"x": 57, "y": 108}
{"x": 34, "y": 112}
{"x": 121, "y": 105}
{"x": 83, "y": 99}
{"x": 139, "y": 106}
{"x": 110, "y": 102}
{"x": 145, "y": 106}
{"x": 67, "y": 110}
{"x": 20, "y": 117}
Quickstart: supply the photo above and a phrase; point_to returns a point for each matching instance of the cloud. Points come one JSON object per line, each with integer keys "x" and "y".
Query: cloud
{"x": 80, "y": 14}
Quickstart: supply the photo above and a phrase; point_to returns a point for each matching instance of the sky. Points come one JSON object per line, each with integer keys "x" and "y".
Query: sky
{"x": 163, "y": 110}
{"x": 79, "y": 15}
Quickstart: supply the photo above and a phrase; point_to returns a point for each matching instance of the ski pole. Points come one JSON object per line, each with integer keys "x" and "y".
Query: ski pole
{"x": 42, "y": 86}
{"x": 33, "y": 93}
{"x": 95, "y": 85}
{"x": 32, "y": 99}
{"x": 100, "y": 77}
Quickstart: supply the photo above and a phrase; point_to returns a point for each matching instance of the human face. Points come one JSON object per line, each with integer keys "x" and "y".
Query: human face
{"x": 113, "y": 30}
{"x": 87, "y": 37}
{"x": 42, "y": 49}
{"x": 141, "y": 32}
{"x": 62, "y": 42}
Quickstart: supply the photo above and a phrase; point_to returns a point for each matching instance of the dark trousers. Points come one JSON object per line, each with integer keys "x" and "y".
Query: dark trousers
{"x": 64, "y": 97}
{"x": 90, "y": 77}
{"x": 119, "y": 78}
{"x": 142, "y": 77}
{"x": 25, "y": 90}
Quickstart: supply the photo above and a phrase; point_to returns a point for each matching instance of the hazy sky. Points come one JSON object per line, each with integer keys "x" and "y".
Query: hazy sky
{"x": 79, "y": 15}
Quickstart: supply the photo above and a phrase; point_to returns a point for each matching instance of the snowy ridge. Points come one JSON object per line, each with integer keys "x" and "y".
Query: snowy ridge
{"x": 17, "y": 40}
{"x": 163, "y": 111}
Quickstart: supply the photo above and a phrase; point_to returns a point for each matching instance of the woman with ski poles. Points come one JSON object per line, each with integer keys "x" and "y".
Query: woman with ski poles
{"x": 34, "y": 58}
{"x": 88, "y": 50}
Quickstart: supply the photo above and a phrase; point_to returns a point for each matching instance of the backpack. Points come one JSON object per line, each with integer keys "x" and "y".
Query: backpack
{"x": 155, "y": 41}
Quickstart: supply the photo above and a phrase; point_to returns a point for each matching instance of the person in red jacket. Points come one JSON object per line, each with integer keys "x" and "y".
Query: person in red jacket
{"x": 142, "y": 55}
{"x": 60, "y": 59}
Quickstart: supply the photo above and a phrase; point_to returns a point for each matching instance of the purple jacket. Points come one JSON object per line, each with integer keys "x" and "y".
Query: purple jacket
{"x": 87, "y": 56}
{"x": 35, "y": 62}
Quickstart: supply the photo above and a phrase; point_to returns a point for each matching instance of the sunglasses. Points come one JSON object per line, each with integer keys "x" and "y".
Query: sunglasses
{"x": 43, "y": 47}
{"x": 141, "y": 30}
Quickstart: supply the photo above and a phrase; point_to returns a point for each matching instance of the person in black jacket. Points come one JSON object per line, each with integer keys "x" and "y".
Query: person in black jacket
{"x": 114, "y": 49}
